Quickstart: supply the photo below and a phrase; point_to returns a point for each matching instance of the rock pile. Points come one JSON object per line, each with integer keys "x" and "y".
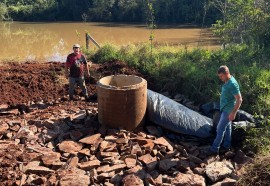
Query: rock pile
{"x": 63, "y": 144}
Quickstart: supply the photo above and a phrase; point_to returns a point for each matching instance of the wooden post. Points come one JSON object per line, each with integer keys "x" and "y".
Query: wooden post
{"x": 89, "y": 37}
{"x": 87, "y": 41}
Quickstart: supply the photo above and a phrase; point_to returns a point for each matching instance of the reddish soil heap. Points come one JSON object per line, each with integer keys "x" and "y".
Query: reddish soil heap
{"x": 24, "y": 82}
{"x": 20, "y": 83}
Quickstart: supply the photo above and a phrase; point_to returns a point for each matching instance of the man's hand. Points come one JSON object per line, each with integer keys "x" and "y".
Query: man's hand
{"x": 87, "y": 74}
{"x": 232, "y": 116}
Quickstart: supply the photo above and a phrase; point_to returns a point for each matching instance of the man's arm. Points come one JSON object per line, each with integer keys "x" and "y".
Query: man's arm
{"x": 87, "y": 70}
{"x": 239, "y": 100}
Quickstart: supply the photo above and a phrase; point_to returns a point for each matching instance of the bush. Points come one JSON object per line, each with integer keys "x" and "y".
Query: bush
{"x": 193, "y": 73}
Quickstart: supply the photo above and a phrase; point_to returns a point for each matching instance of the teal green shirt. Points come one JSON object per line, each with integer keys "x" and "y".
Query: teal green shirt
{"x": 227, "y": 99}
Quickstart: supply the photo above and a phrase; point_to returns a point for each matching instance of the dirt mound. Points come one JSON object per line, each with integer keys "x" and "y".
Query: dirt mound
{"x": 24, "y": 82}
{"x": 116, "y": 67}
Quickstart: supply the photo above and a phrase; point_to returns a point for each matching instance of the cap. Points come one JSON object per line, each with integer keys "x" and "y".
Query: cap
{"x": 76, "y": 46}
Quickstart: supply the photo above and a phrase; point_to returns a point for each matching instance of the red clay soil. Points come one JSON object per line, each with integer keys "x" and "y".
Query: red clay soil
{"x": 24, "y": 82}
{"x": 116, "y": 67}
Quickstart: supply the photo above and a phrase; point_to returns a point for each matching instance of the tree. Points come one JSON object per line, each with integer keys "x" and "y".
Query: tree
{"x": 244, "y": 21}
{"x": 3, "y": 11}
{"x": 101, "y": 10}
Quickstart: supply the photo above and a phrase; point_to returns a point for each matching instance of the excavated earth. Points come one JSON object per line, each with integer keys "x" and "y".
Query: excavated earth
{"x": 45, "y": 139}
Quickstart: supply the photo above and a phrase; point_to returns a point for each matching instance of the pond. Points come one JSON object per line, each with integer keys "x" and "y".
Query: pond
{"x": 38, "y": 41}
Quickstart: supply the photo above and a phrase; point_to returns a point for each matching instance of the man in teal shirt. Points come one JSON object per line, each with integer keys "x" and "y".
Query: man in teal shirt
{"x": 230, "y": 102}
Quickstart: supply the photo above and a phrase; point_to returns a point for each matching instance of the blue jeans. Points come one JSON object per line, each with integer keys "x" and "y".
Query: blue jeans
{"x": 224, "y": 133}
{"x": 80, "y": 81}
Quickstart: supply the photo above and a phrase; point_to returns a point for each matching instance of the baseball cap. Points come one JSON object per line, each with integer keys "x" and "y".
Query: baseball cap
{"x": 76, "y": 46}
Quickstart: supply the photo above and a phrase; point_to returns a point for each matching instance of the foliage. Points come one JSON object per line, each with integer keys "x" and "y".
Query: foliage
{"x": 193, "y": 73}
{"x": 258, "y": 139}
{"x": 3, "y": 11}
{"x": 166, "y": 11}
{"x": 244, "y": 21}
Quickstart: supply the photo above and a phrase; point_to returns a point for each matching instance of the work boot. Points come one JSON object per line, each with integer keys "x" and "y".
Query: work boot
{"x": 209, "y": 152}
{"x": 71, "y": 98}
{"x": 224, "y": 150}
{"x": 86, "y": 98}
{"x": 93, "y": 97}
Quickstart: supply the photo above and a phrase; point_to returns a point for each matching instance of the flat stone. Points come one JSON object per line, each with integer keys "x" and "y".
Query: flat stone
{"x": 70, "y": 147}
{"x": 111, "y": 138}
{"x": 138, "y": 171}
{"x": 4, "y": 144}
{"x": 50, "y": 158}
{"x": 3, "y": 107}
{"x": 136, "y": 149}
{"x": 158, "y": 180}
{"x": 130, "y": 162}
{"x": 24, "y": 133}
{"x": 166, "y": 164}
{"x": 102, "y": 169}
{"x": 3, "y": 128}
{"x": 35, "y": 168}
{"x": 15, "y": 128}
{"x": 52, "y": 180}
{"x": 122, "y": 141}
{"x": 132, "y": 179}
{"x": 103, "y": 145}
{"x": 219, "y": 170}
{"x": 147, "y": 143}
{"x": 73, "y": 162}
{"x": 188, "y": 179}
{"x": 91, "y": 140}
{"x": 85, "y": 152}
{"x": 74, "y": 178}
{"x": 89, "y": 165}
{"x": 226, "y": 182}
{"x": 149, "y": 161}
{"x": 109, "y": 154}
{"x": 165, "y": 142}
{"x": 105, "y": 175}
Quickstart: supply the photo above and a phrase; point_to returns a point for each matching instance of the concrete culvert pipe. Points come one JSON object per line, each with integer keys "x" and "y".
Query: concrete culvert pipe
{"x": 122, "y": 101}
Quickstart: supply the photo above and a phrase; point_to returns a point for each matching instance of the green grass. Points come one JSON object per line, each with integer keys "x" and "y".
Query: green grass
{"x": 193, "y": 72}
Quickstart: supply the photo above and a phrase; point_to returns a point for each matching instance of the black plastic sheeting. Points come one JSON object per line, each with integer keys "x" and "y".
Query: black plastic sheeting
{"x": 176, "y": 117}
{"x": 211, "y": 110}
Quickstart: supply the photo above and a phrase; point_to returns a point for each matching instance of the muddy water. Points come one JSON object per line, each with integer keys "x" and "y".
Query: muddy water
{"x": 23, "y": 41}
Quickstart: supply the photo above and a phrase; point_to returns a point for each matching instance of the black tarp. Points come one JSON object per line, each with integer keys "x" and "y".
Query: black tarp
{"x": 176, "y": 117}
